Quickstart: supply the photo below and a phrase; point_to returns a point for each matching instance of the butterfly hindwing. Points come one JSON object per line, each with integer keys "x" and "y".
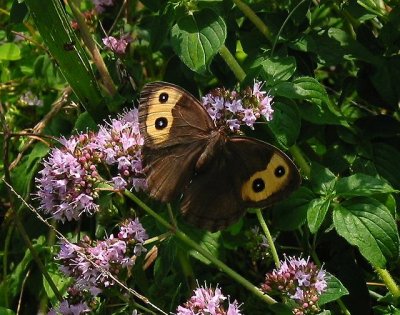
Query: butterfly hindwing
{"x": 245, "y": 173}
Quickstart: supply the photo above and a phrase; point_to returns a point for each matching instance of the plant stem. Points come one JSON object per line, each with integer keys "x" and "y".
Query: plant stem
{"x": 389, "y": 281}
{"x": 271, "y": 244}
{"x": 188, "y": 241}
{"x": 249, "y": 13}
{"x": 232, "y": 63}
{"x": 300, "y": 160}
{"x": 91, "y": 45}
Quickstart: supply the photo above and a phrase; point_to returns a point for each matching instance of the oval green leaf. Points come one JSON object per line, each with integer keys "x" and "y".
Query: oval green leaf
{"x": 316, "y": 213}
{"x": 368, "y": 224}
{"x": 362, "y": 185}
{"x": 286, "y": 123}
{"x": 197, "y": 38}
{"x": 334, "y": 291}
{"x": 10, "y": 51}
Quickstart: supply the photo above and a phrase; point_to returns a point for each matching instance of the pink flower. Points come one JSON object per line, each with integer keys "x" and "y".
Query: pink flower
{"x": 117, "y": 45}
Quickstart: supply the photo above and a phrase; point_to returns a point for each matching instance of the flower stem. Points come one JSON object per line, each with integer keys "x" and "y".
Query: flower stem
{"x": 91, "y": 45}
{"x": 249, "y": 13}
{"x": 271, "y": 244}
{"x": 188, "y": 241}
{"x": 232, "y": 63}
{"x": 389, "y": 281}
{"x": 300, "y": 160}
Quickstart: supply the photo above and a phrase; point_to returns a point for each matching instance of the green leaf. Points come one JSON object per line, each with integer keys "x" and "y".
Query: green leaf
{"x": 322, "y": 179}
{"x": 316, "y": 213}
{"x": 362, "y": 185}
{"x": 10, "y": 51}
{"x": 26, "y": 170}
{"x": 291, "y": 213}
{"x": 62, "y": 283}
{"x": 334, "y": 291}
{"x": 6, "y": 311}
{"x": 197, "y": 38}
{"x": 209, "y": 241}
{"x": 368, "y": 224}
{"x": 278, "y": 69}
{"x": 319, "y": 109}
{"x": 286, "y": 123}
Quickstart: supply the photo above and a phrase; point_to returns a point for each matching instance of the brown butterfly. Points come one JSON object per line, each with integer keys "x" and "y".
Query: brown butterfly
{"x": 219, "y": 175}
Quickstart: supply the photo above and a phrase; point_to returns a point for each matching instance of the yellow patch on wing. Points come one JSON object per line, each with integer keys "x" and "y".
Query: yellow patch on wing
{"x": 157, "y": 110}
{"x": 272, "y": 183}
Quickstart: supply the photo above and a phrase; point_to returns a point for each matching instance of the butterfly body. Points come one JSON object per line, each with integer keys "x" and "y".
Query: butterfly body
{"x": 219, "y": 175}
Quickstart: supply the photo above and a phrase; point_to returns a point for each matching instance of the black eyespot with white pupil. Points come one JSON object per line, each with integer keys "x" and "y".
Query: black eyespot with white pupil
{"x": 280, "y": 171}
{"x": 258, "y": 185}
{"x": 161, "y": 123}
{"x": 163, "y": 98}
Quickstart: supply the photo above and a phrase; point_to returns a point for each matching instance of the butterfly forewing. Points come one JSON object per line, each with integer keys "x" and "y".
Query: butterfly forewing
{"x": 175, "y": 128}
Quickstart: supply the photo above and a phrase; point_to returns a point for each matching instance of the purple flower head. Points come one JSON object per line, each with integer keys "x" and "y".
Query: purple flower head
{"x": 66, "y": 184}
{"x": 208, "y": 301}
{"x": 300, "y": 280}
{"x": 117, "y": 45}
{"x": 111, "y": 256}
{"x": 120, "y": 142}
{"x": 232, "y": 109}
{"x": 67, "y": 308}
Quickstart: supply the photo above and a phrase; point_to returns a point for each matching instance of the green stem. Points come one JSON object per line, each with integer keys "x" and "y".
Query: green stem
{"x": 91, "y": 45}
{"x": 270, "y": 241}
{"x": 284, "y": 24}
{"x": 184, "y": 238}
{"x": 300, "y": 160}
{"x": 389, "y": 281}
{"x": 249, "y": 13}
{"x": 187, "y": 269}
{"x": 232, "y": 63}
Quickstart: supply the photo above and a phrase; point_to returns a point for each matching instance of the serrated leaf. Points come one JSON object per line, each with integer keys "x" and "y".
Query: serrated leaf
{"x": 291, "y": 213}
{"x": 335, "y": 290}
{"x": 10, "y": 51}
{"x": 286, "y": 123}
{"x": 318, "y": 109}
{"x": 316, "y": 213}
{"x": 362, "y": 185}
{"x": 368, "y": 224}
{"x": 197, "y": 38}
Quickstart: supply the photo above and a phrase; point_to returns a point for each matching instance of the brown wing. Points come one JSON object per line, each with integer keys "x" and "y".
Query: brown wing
{"x": 175, "y": 127}
{"x": 246, "y": 173}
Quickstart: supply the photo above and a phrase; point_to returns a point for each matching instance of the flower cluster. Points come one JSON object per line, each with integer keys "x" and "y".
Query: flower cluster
{"x": 100, "y": 5}
{"x": 208, "y": 301}
{"x": 118, "y": 46}
{"x": 299, "y": 279}
{"x": 120, "y": 143}
{"x": 112, "y": 256}
{"x": 233, "y": 109}
{"x": 30, "y": 99}
{"x": 67, "y": 185}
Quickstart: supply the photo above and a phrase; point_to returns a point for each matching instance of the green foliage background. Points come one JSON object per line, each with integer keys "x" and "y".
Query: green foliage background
{"x": 334, "y": 70}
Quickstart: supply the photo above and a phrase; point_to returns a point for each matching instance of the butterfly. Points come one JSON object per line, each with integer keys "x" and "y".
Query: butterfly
{"x": 218, "y": 176}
